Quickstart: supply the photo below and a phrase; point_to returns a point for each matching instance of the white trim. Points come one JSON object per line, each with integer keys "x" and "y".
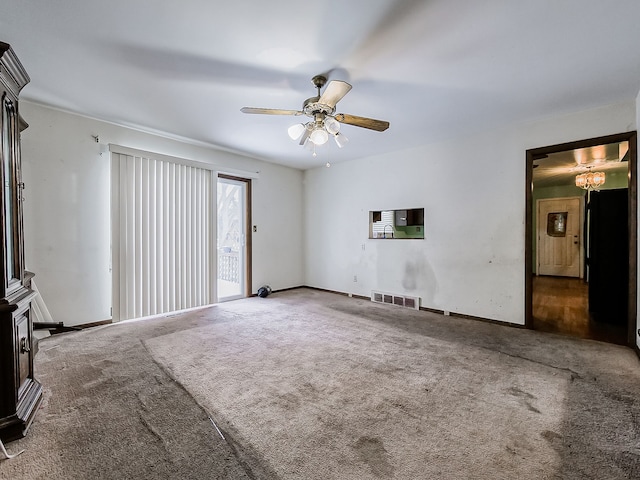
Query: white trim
{"x": 133, "y": 152}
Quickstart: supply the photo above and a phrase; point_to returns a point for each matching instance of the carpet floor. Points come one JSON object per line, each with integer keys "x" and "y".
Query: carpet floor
{"x": 311, "y": 385}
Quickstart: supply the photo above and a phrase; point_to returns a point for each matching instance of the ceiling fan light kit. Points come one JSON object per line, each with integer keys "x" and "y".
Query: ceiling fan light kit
{"x": 325, "y": 121}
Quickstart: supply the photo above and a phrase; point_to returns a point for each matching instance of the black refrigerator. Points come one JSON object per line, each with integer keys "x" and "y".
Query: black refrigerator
{"x": 608, "y": 255}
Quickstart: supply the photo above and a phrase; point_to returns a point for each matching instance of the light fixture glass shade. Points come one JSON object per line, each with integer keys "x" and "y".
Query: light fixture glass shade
{"x": 590, "y": 180}
{"x": 319, "y": 136}
{"x": 309, "y": 145}
{"x": 332, "y": 125}
{"x": 296, "y": 130}
{"x": 341, "y": 140}
{"x": 597, "y": 179}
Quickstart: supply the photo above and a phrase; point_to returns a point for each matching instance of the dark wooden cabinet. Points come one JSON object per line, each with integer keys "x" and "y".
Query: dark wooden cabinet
{"x": 20, "y": 393}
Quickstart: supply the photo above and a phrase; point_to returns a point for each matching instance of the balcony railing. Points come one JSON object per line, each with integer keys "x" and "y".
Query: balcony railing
{"x": 229, "y": 266}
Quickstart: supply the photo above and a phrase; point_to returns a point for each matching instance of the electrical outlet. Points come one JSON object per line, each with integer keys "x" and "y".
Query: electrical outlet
{"x": 363, "y": 248}
{"x": 255, "y": 228}
{"x": 355, "y": 278}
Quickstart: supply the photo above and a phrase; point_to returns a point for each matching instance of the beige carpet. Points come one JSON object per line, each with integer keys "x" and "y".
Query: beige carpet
{"x": 311, "y": 385}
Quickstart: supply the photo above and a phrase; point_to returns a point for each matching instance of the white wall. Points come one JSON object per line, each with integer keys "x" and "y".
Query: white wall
{"x": 67, "y": 210}
{"x": 472, "y": 259}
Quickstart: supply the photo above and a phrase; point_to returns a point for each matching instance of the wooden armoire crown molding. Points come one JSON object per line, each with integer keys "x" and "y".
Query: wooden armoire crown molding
{"x": 12, "y": 74}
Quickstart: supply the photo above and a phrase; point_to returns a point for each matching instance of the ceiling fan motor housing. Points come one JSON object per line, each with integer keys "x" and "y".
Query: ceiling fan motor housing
{"x": 311, "y": 106}
{"x": 319, "y": 81}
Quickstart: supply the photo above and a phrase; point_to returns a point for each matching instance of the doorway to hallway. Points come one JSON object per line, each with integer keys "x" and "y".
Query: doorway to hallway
{"x": 558, "y": 300}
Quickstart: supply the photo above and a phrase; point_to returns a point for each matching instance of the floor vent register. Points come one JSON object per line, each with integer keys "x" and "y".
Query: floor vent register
{"x": 394, "y": 299}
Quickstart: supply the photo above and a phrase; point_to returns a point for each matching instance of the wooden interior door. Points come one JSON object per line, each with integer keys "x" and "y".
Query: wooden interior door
{"x": 559, "y": 236}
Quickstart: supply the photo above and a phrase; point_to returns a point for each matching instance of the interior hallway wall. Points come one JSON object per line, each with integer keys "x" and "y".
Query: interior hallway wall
{"x": 67, "y": 210}
{"x": 472, "y": 260}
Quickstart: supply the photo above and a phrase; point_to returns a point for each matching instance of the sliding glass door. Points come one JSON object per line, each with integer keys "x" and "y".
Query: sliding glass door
{"x": 232, "y": 238}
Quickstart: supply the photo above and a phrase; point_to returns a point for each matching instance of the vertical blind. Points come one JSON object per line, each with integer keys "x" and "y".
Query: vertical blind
{"x": 162, "y": 260}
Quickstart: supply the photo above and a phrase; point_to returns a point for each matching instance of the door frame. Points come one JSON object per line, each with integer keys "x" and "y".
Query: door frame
{"x": 248, "y": 291}
{"x": 537, "y": 153}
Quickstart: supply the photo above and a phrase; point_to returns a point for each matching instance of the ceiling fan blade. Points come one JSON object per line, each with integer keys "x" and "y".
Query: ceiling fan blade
{"x": 370, "y": 123}
{"x": 336, "y": 89}
{"x": 270, "y": 111}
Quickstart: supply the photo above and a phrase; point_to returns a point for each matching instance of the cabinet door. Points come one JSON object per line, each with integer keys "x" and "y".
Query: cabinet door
{"x": 9, "y": 195}
{"x": 23, "y": 351}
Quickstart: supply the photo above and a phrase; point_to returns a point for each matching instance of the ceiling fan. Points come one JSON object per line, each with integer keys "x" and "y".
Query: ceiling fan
{"x": 325, "y": 121}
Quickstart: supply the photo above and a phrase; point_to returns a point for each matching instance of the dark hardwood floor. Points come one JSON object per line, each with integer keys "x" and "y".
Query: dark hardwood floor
{"x": 560, "y": 305}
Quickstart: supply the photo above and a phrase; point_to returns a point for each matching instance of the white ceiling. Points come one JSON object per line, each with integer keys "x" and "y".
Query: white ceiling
{"x": 433, "y": 69}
